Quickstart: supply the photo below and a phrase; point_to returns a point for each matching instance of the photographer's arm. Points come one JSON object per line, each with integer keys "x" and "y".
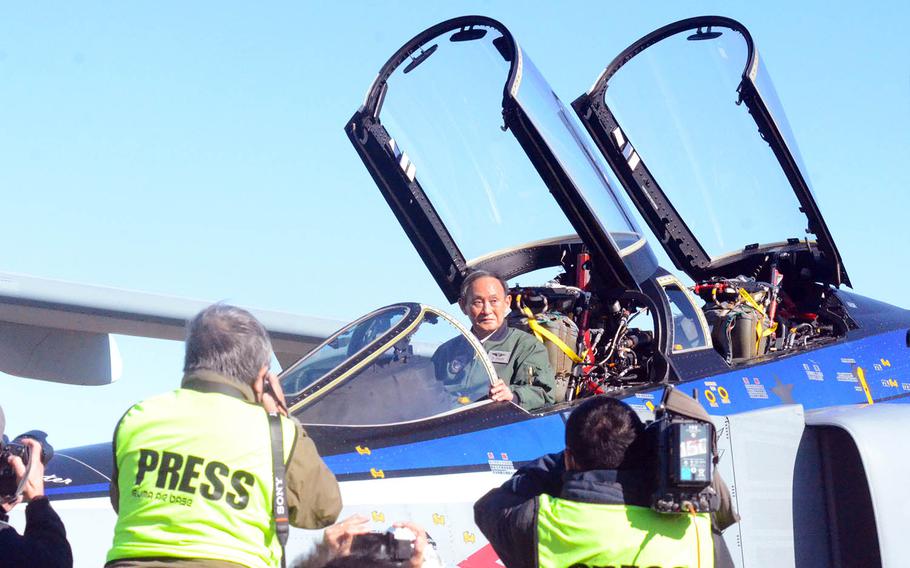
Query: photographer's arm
{"x": 34, "y": 483}
{"x": 506, "y": 516}
{"x": 314, "y": 498}
{"x": 114, "y": 490}
{"x": 44, "y": 543}
{"x": 336, "y": 541}
{"x": 725, "y": 515}
{"x": 268, "y": 392}
{"x": 114, "y": 484}
{"x": 424, "y": 552}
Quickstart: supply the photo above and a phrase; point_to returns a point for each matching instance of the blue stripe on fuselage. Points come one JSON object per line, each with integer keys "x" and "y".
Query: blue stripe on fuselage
{"x": 520, "y": 441}
{"x": 91, "y": 488}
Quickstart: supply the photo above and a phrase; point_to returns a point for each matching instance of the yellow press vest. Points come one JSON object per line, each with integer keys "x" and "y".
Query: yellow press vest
{"x": 195, "y": 480}
{"x": 587, "y": 535}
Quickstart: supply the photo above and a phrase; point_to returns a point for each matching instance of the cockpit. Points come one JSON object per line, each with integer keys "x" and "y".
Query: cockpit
{"x": 380, "y": 369}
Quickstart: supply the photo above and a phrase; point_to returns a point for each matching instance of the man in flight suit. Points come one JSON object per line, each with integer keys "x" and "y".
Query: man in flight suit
{"x": 192, "y": 481}
{"x": 523, "y": 368}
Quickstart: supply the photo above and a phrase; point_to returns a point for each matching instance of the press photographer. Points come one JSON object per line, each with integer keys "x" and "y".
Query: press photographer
{"x": 604, "y": 500}
{"x": 44, "y": 543}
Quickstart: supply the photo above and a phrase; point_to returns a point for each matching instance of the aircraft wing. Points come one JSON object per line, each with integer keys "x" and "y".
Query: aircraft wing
{"x": 61, "y": 331}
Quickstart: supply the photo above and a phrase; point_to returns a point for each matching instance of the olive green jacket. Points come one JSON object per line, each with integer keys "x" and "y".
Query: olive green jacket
{"x": 519, "y": 359}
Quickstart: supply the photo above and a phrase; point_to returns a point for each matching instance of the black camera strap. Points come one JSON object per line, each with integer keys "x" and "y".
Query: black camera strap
{"x": 279, "y": 496}
{"x": 28, "y": 472}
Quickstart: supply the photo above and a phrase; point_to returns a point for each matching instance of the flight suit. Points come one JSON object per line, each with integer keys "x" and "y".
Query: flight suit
{"x": 520, "y": 361}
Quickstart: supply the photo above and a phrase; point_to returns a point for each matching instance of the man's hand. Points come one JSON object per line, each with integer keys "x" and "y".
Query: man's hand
{"x": 338, "y": 537}
{"x": 271, "y": 397}
{"x": 420, "y": 542}
{"x": 34, "y": 484}
{"x": 501, "y": 391}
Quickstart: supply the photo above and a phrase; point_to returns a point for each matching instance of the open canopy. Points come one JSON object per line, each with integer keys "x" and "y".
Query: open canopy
{"x": 688, "y": 119}
{"x": 447, "y": 129}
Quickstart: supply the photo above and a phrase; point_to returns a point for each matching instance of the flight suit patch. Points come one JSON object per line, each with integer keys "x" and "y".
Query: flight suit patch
{"x": 500, "y": 356}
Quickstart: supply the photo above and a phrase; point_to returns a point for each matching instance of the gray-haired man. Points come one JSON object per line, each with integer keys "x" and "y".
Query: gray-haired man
{"x": 193, "y": 478}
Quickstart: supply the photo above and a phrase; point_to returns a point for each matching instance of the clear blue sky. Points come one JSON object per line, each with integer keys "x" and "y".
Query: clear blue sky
{"x": 196, "y": 149}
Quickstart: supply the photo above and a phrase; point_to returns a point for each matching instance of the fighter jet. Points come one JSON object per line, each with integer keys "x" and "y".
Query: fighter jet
{"x": 485, "y": 167}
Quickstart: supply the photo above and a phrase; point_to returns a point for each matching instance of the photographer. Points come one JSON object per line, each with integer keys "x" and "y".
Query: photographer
{"x": 198, "y": 471}
{"x": 44, "y": 543}
{"x": 590, "y": 505}
{"x": 351, "y": 543}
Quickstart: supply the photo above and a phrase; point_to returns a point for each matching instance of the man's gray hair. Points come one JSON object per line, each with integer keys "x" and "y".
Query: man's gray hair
{"x": 475, "y": 275}
{"x": 229, "y": 341}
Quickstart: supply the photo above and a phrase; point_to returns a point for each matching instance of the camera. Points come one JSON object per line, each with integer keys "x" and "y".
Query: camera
{"x": 10, "y": 487}
{"x": 686, "y": 456}
{"x": 395, "y": 544}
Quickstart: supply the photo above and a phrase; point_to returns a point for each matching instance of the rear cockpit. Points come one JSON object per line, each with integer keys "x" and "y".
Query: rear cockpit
{"x": 689, "y": 120}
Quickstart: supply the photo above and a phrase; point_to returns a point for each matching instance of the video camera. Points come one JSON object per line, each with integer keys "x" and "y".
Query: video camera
{"x": 686, "y": 455}
{"x": 10, "y": 487}
{"x": 395, "y": 544}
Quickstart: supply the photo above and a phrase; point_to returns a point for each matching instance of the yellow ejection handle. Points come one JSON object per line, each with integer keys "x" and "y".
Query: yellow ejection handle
{"x": 540, "y": 332}
{"x": 760, "y": 330}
